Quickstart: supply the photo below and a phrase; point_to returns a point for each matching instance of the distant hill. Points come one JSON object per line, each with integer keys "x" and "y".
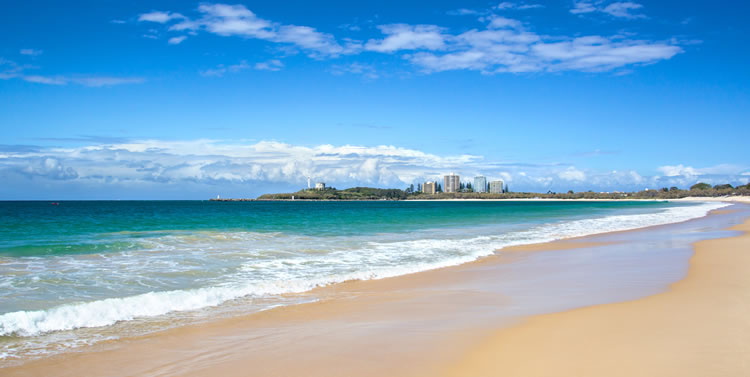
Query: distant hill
{"x": 354, "y": 193}
{"x": 369, "y": 193}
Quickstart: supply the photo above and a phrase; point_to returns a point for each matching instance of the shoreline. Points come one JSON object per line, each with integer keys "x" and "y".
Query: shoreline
{"x": 698, "y": 327}
{"x": 728, "y": 199}
{"x": 377, "y": 293}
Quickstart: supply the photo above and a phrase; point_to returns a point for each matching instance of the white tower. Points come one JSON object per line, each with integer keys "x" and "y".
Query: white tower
{"x": 308, "y": 182}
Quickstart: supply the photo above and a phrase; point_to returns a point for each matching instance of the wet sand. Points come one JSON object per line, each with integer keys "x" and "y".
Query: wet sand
{"x": 700, "y": 327}
{"x": 449, "y": 322}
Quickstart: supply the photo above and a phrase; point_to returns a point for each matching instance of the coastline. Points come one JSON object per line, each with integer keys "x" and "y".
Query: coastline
{"x": 728, "y": 199}
{"x": 698, "y": 327}
{"x": 263, "y": 339}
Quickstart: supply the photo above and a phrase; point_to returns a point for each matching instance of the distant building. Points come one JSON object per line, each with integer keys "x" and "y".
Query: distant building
{"x": 496, "y": 187}
{"x": 429, "y": 187}
{"x": 480, "y": 183}
{"x": 320, "y": 185}
{"x": 451, "y": 183}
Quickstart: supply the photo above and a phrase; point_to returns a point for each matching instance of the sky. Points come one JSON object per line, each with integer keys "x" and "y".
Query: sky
{"x": 188, "y": 100}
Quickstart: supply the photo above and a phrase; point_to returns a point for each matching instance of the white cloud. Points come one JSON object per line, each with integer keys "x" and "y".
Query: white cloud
{"x": 271, "y": 65}
{"x": 187, "y": 163}
{"x": 209, "y": 160}
{"x": 367, "y": 71}
{"x": 30, "y": 51}
{"x": 580, "y": 7}
{"x": 407, "y": 37}
{"x": 572, "y": 174}
{"x": 498, "y": 22}
{"x": 49, "y": 80}
{"x": 236, "y": 20}
{"x": 90, "y": 81}
{"x": 10, "y": 69}
{"x": 620, "y": 9}
{"x": 513, "y": 49}
{"x": 159, "y": 17}
{"x": 462, "y": 12}
{"x": 100, "y": 81}
{"x": 221, "y": 69}
{"x": 176, "y": 40}
{"x": 506, "y": 5}
{"x": 623, "y": 10}
{"x": 678, "y": 170}
{"x": 505, "y": 44}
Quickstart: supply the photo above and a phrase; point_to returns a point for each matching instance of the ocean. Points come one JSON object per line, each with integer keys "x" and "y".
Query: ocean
{"x": 82, "y": 272}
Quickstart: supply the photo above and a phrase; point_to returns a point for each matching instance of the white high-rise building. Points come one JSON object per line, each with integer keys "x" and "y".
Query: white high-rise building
{"x": 480, "y": 183}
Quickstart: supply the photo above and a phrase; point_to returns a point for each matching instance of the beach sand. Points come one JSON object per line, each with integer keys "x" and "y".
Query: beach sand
{"x": 440, "y": 323}
{"x": 700, "y": 327}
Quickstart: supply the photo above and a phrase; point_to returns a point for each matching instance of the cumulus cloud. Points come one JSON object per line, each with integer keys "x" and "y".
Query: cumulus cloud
{"x": 620, "y": 9}
{"x": 236, "y": 20}
{"x": 572, "y": 174}
{"x": 159, "y": 17}
{"x": 216, "y": 163}
{"x": 407, "y": 37}
{"x": 45, "y": 167}
{"x": 678, "y": 170}
{"x": 505, "y": 46}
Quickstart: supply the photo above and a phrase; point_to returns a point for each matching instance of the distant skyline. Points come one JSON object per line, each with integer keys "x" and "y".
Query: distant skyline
{"x": 187, "y": 100}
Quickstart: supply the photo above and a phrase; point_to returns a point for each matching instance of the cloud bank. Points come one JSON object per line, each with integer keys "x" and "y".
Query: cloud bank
{"x": 207, "y": 166}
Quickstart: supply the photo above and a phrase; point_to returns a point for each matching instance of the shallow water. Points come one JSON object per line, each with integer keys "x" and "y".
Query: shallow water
{"x": 83, "y": 272}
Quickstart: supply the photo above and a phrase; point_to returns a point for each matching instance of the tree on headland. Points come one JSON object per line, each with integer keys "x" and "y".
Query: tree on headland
{"x": 725, "y": 186}
{"x": 700, "y": 186}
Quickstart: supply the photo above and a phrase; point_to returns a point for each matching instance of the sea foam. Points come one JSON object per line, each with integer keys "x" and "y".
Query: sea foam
{"x": 295, "y": 272}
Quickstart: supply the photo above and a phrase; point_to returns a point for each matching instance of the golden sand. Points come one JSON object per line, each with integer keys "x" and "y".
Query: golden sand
{"x": 700, "y": 327}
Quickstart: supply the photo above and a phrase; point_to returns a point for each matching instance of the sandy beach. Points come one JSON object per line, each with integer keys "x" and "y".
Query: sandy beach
{"x": 444, "y": 322}
{"x": 700, "y": 327}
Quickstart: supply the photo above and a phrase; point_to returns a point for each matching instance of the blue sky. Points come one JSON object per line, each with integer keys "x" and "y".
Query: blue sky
{"x": 184, "y": 100}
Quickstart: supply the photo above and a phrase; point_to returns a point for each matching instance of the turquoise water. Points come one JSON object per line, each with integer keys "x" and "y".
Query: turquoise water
{"x": 40, "y": 228}
{"x": 73, "y": 272}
